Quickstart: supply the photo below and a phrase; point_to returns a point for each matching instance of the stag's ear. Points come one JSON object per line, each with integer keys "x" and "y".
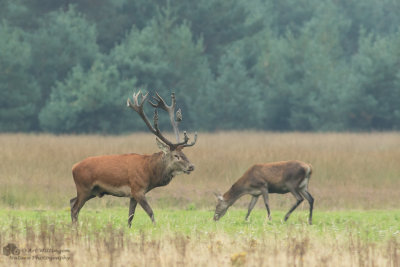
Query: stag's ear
{"x": 164, "y": 148}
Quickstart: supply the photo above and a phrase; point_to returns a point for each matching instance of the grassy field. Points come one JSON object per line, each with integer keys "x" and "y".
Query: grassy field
{"x": 190, "y": 237}
{"x": 355, "y": 183}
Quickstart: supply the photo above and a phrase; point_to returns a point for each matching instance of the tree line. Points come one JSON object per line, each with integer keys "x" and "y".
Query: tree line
{"x": 280, "y": 65}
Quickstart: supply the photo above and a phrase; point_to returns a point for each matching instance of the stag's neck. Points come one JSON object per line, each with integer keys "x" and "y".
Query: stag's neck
{"x": 161, "y": 174}
{"x": 234, "y": 193}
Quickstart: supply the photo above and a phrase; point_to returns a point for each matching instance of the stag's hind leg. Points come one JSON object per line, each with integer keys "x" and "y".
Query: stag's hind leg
{"x": 310, "y": 200}
{"x": 251, "y": 206}
{"x": 79, "y": 201}
{"x": 299, "y": 199}
{"x": 72, "y": 202}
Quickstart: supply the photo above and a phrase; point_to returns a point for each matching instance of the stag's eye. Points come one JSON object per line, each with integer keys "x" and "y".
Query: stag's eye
{"x": 177, "y": 157}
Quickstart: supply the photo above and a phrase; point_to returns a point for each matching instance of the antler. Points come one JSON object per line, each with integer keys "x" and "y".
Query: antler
{"x": 186, "y": 138}
{"x": 160, "y": 103}
{"x": 138, "y": 107}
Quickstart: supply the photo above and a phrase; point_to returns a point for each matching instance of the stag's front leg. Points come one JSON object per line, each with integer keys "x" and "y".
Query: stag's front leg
{"x": 132, "y": 207}
{"x": 141, "y": 199}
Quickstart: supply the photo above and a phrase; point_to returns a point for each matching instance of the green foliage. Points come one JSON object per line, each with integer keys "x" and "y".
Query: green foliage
{"x": 305, "y": 65}
{"x": 306, "y": 75}
{"x": 19, "y": 92}
{"x": 375, "y": 100}
{"x": 291, "y": 15}
{"x": 63, "y": 40}
{"x": 237, "y": 98}
{"x": 92, "y": 101}
{"x": 164, "y": 57}
{"x": 218, "y": 23}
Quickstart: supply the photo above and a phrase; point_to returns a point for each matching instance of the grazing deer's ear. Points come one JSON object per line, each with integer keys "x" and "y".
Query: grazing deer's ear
{"x": 164, "y": 148}
{"x": 218, "y": 196}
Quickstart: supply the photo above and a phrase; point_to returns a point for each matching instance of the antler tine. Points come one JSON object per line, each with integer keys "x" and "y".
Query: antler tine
{"x": 139, "y": 108}
{"x": 160, "y": 103}
{"x": 135, "y": 97}
{"x": 173, "y": 103}
{"x": 178, "y": 116}
{"x": 137, "y": 105}
{"x": 155, "y": 118}
{"x": 187, "y": 139}
{"x": 158, "y": 132}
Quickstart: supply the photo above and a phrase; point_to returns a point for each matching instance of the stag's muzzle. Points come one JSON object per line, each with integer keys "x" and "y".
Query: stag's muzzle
{"x": 189, "y": 169}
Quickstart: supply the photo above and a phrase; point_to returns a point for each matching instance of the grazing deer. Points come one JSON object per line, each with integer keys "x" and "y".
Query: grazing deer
{"x": 133, "y": 175}
{"x": 277, "y": 177}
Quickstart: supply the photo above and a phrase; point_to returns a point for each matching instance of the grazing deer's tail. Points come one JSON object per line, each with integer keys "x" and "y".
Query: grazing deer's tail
{"x": 309, "y": 171}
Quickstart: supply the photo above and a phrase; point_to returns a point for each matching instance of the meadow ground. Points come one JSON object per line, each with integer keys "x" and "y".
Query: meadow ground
{"x": 191, "y": 238}
{"x": 355, "y": 183}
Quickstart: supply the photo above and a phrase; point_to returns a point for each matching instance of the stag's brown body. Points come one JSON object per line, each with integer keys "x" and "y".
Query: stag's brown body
{"x": 133, "y": 175}
{"x": 261, "y": 179}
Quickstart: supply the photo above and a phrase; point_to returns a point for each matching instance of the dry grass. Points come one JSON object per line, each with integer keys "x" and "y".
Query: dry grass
{"x": 350, "y": 170}
{"x": 112, "y": 246}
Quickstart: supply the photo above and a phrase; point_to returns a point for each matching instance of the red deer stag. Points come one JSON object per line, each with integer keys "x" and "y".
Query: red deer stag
{"x": 261, "y": 179}
{"x": 133, "y": 175}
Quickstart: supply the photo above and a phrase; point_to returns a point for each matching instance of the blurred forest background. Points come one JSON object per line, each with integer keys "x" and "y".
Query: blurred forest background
{"x": 279, "y": 65}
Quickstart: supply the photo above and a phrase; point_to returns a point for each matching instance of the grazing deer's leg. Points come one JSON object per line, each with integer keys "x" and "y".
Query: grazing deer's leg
{"x": 310, "y": 200}
{"x": 132, "y": 207}
{"x": 299, "y": 198}
{"x": 145, "y": 205}
{"x": 251, "y": 205}
{"x": 266, "y": 202}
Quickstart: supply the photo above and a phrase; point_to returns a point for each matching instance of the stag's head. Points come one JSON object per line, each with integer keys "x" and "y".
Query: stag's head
{"x": 175, "y": 160}
{"x": 221, "y": 208}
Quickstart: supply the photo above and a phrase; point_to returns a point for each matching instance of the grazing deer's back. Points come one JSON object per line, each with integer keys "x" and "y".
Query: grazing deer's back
{"x": 275, "y": 174}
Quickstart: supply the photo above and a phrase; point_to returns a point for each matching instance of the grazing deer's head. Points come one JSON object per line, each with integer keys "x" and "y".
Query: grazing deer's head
{"x": 221, "y": 208}
{"x": 175, "y": 160}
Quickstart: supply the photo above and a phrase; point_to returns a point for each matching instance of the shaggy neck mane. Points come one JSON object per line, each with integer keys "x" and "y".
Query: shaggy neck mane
{"x": 161, "y": 175}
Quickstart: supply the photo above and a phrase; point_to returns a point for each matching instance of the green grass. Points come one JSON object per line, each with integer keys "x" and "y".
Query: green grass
{"x": 374, "y": 226}
{"x": 191, "y": 237}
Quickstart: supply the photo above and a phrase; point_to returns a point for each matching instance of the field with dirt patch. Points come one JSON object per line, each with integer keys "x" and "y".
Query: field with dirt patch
{"x": 355, "y": 183}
